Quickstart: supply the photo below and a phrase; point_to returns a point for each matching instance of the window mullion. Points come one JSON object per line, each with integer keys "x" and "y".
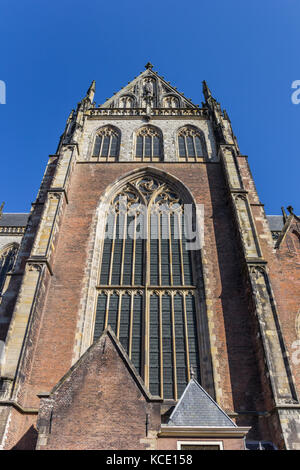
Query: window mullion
{"x": 161, "y": 347}
{"x": 123, "y": 248}
{"x": 119, "y": 314}
{"x": 107, "y": 309}
{"x": 174, "y": 346}
{"x": 180, "y": 215}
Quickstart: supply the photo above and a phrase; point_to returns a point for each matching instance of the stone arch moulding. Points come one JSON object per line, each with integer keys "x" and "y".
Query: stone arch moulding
{"x": 87, "y": 311}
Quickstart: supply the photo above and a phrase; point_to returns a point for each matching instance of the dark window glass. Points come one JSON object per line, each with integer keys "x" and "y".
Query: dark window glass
{"x": 139, "y": 146}
{"x": 113, "y": 146}
{"x": 105, "y": 147}
{"x": 97, "y": 146}
{"x": 156, "y": 150}
{"x": 198, "y": 146}
{"x": 190, "y": 146}
{"x": 182, "y": 151}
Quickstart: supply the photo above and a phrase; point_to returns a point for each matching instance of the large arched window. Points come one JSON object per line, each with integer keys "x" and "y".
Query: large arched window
{"x": 7, "y": 259}
{"x": 147, "y": 290}
{"x": 148, "y": 144}
{"x": 191, "y": 144}
{"x": 106, "y": 144}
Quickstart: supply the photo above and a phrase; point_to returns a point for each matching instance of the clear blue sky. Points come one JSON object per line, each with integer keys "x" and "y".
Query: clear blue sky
{"x": 247, "y": 51}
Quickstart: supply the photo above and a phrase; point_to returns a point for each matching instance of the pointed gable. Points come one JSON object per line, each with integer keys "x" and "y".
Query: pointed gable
{"x": 100, "y": 403}
{"x": 197, "y": 408}
{"x": 148, "y": 86}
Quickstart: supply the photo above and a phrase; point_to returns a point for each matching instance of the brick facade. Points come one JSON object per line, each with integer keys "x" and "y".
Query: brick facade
{"x": 251, "y": 294}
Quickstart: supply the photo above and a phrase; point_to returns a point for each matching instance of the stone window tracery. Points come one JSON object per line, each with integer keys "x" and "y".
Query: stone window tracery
{"x": 106, "y": 144}
{"x": 148, "y": 144}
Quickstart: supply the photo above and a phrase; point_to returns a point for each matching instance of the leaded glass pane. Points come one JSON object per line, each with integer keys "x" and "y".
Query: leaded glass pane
{"x": 139, "y": 146}
{"x": 100, "y": 315}
{"x": 105, "y": 146}
{"x": 192, "y": 335}
{"x": 148, "y": 145}
{"x": 97, "y": 146}
{"x": 181, "y": 143}
{"x": 154, "y": 369}
{"x": 199, "y": 151}
{"x": 113, "y": 146}
{"x": 167, "y": 347}
{"x": 137, "y": 332}
{"x": 113, "y": 311}
{"x": 156, "y": 147}
{"x": 125, "y": 321}
{"x": 190, "y": 146}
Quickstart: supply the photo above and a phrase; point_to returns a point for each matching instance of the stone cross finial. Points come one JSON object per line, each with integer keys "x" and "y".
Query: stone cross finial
{"x": 290, "y": 209}
{"x": 192, "y": 372}
{"x": 149, "y": 66}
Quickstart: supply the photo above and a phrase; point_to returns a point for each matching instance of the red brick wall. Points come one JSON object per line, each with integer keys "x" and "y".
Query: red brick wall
{"x": 99, "y": 405}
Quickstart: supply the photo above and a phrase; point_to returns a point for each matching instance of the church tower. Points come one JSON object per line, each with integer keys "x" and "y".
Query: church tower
{"x": 151, "y": 303}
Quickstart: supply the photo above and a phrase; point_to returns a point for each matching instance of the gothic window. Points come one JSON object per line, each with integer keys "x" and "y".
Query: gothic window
{"x": 106, "y": 144}
{"x": 146, "y": 289}
{"x": 148, "y": 144}
{"x": 7, "y": 259}
{"x": 170, "y": 102}
{"x": 191, "y": 144}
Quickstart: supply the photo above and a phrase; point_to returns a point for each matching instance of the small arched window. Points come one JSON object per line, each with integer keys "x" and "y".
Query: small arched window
{"x": 148, "y": 144}
{"x": 7, "y": 259}
{"x": 126, "y": 102}
{"x": 191, "y": 144}
{"x": 170, "y": 102}
{"x": 107, "y": 144}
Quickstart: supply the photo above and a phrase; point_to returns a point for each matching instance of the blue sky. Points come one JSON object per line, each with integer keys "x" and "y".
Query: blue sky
{"x": 248, "y": 52}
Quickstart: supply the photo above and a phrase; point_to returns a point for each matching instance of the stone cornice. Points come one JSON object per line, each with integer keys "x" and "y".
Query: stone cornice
{"x": 194, "y": 431}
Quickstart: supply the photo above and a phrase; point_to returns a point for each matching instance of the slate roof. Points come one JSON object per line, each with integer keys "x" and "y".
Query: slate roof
{"x": 276, "y": 222}
{"x": 197, "y": 408}
{"x": 13, "y": 220}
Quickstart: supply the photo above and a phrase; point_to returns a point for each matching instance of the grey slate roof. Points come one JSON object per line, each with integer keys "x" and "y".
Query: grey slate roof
{"x": 276, "y": 222}
{"x": 13, "y": 220}
{"x": 197, "y": 408}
